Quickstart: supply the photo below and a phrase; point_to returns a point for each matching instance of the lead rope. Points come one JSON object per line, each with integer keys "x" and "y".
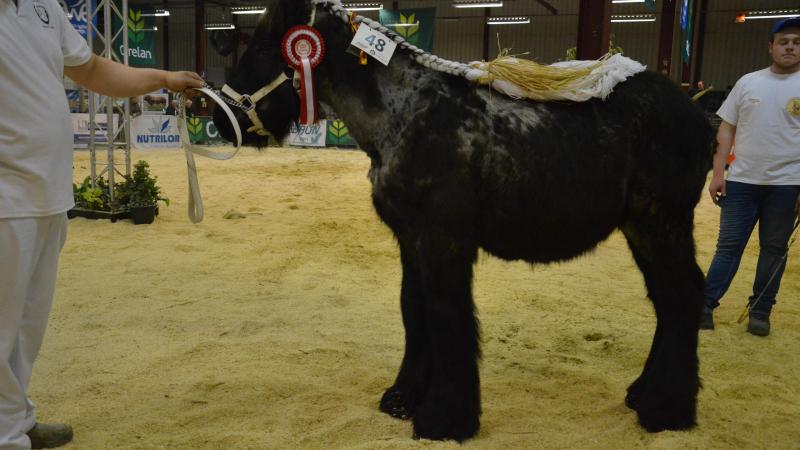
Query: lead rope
{"x": 196, "y": 211}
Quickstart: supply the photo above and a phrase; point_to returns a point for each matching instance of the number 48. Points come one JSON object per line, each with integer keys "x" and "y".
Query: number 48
{"x": 379, "y": 46}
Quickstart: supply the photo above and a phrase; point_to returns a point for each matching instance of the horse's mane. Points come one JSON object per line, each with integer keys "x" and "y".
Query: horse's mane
{"x": 335, "y": 8}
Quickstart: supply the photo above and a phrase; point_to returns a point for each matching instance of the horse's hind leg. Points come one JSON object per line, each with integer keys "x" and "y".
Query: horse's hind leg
{"x": 665, "y": 395}
{"x": 409, "y": 388}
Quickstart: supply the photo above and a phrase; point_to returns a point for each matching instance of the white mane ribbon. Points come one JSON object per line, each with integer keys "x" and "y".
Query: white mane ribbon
{"x": 598, "y": 84}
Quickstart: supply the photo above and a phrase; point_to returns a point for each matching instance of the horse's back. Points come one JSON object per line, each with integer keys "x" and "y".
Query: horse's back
{"x": 560, "y": 177}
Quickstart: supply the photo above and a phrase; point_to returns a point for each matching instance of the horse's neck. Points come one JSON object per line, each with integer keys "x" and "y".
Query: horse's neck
{"x": 373, "y": 100}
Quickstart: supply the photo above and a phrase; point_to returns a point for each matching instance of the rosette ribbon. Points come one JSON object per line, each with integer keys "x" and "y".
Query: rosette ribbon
{"x": 303, "y": 49}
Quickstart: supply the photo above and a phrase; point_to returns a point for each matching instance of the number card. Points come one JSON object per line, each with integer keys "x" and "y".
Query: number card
{"x": 374, "y": 43}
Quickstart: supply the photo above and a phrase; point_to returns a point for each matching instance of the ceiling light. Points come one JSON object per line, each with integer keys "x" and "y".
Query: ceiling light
{"x": 508, "y": 20}
{"x": 627, "y": 18}
{"x": 220, "y": 26}
{"x": 249, "y": 10}
{"x": 371, "y": 6}
{"x": 156, "y": 13}
{"x": 477, "y": 4}
{"x": 773, "y": 14}
{"x": 402, "y": 24}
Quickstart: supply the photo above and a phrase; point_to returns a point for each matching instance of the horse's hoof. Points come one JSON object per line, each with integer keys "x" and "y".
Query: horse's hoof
{"x": 655, "y": 422}
{"x": 672, "y": 414}
{"x": 633, "y": 398}
{"x": 438, "y": 424}
{"x": 396, "y": 404}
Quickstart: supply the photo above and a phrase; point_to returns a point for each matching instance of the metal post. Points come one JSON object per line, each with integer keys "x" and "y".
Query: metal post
{"x": 117, "y": 134}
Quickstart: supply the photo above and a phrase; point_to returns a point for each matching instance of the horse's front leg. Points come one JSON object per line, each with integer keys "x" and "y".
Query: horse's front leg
{"x": 402, "y": 399}
{"x": 451, "y": 407}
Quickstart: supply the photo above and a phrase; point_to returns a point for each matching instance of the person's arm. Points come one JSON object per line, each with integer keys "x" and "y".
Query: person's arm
{"x": 110, "y": 78}
{"x": 725, "y": 136}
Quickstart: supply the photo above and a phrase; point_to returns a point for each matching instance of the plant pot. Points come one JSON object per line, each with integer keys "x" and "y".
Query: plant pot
{"x": 143, "y": 215}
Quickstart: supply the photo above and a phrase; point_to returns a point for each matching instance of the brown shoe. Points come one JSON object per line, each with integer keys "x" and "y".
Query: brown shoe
{"x": 49, "y": 435}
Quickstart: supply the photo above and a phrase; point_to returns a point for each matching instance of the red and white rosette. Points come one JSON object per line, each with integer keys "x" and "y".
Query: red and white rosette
{"x": 303, "y": 49}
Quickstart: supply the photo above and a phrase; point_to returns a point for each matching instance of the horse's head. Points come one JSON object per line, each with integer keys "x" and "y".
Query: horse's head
{"x": 262, "y": 66}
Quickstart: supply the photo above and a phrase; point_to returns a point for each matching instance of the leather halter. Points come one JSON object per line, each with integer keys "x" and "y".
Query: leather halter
{"x": 247, "y": 103}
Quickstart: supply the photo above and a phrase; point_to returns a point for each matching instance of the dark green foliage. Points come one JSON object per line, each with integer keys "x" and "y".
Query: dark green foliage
{"x": 140, "y": 189}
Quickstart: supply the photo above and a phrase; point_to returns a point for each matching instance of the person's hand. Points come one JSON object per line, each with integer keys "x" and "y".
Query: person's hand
{"x": 182, "y": 81}
{"x": 717, "y": 189}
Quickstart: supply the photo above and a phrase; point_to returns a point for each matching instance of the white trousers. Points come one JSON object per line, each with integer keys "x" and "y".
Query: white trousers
{"x": 29, "y": 250}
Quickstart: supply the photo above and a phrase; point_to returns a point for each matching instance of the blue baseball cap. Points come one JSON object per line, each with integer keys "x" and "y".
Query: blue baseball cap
{"x": 785, "y": 23}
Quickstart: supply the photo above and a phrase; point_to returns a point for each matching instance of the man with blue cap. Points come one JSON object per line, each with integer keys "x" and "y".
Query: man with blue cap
{"x": 762, "y": 116}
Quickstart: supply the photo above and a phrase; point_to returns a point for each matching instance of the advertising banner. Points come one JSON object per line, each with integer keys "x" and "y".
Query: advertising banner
{"x": 77, "y": 12}
{"x": 155, "y": 102}
{"x": 307, "y": 135}
{"x": 80, "y": 128}
{"x": 339, "y": 135}
{"x": 141, "y": 37}
{"x": 202, "y": 130}
{"x": 686, "y": 30}
{"x": 155, "y": 131}
{"x": 416, "y": 25}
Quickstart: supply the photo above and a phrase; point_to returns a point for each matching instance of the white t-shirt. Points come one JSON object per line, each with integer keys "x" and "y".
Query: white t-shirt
{"x": 36, "y": 42}
{"x": 765, "y": 107}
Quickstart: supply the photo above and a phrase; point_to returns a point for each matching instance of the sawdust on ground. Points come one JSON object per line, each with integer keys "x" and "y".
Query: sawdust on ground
{"x": 280, "y": 326}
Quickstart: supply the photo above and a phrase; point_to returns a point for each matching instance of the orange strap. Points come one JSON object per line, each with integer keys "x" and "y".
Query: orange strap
{"x": 362, "y": 55}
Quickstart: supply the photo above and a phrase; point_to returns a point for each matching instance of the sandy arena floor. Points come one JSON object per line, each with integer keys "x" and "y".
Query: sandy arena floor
{"x": 281, "y": 329}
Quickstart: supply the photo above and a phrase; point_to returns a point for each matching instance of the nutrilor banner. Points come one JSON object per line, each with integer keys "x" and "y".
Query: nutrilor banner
{"x": 416, "y": 25}
{"x": 155, "y": 131}
{"x": 141, "y": 36}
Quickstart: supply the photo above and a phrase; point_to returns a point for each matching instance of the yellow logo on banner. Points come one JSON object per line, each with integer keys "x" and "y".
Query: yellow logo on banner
{"x": 793, "y": 107}
{"x": 407, "y": 26}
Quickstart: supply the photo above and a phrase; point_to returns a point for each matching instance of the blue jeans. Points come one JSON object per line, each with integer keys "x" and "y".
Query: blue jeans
{"x": 744, "y": 205}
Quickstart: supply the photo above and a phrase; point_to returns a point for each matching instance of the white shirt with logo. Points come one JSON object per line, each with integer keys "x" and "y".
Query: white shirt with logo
{"x": 765, "y": 108}
{"x": 36, "y": 42}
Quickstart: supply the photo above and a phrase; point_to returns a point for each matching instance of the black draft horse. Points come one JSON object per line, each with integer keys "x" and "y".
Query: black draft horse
{"x": 455, "y": 167}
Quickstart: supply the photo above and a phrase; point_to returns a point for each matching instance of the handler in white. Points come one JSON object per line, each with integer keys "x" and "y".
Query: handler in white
{"x": 38, "y": 46}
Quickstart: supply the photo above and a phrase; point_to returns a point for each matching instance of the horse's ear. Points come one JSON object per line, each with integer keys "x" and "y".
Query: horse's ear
{"x": 285, "y": 14}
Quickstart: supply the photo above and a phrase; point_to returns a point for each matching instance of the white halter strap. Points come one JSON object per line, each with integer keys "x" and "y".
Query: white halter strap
{"x": 248, "y": 102}
{"x": 195, "y": 199}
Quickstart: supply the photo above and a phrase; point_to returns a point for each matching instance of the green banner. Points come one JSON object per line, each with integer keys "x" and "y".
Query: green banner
{"x": 141, "y": 37}
{"x": 203, "y": 131}
{"x": 650, "y": 4}
{"x": 338, "y": 135}
{"x": 686, "y": 28}
{"x": 416, "y": 25}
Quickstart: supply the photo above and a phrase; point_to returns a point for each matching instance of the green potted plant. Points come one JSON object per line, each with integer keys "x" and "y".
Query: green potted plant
{"x": 141, "y": 194}
{"x": 90, "y": 202}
